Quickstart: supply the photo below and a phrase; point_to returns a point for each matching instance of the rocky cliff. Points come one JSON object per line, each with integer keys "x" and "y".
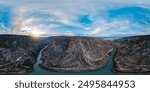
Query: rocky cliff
{"x": 133, "y": 55}
{"x": 18, "y": 53}
{"x": 76, "y": 54}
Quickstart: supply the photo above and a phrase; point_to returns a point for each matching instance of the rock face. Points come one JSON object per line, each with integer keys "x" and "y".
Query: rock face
{"x": 18, "y": 53}
{"x": 133, "y": 55}
{"x": 76, "y": 54}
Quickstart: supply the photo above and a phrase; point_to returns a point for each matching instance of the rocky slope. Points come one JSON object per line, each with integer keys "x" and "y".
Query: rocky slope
{"x": 133, "y": 55}
{"x": 75, "y": 54}
{"x": 18, "y": 53}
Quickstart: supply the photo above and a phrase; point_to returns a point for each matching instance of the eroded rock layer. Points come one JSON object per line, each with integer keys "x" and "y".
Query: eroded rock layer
{"x": 18, "y": 53}
{"x": 76, "y": 54}
{"x": 133, "y": 55}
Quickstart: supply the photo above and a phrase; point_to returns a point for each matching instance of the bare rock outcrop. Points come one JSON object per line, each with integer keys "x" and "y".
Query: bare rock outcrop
{"x": 18, "y": 53}
{"x": 133, "y": 55}
{"x": 76, "y": 54}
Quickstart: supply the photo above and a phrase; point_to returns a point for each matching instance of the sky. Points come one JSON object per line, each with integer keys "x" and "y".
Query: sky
{"x": 97, "y": 18}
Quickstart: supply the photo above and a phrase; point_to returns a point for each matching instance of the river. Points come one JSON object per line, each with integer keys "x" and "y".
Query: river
{"x": 37, "y": 70}
{"x": 107, "y": 70}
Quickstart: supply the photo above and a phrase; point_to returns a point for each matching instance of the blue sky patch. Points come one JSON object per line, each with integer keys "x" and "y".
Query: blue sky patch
{"x": 85, "y": 21}
{"x": 69, "y": 17}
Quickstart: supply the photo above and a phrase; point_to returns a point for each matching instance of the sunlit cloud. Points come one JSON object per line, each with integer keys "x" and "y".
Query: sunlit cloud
{"x": 97, "y": 30}
{"x": 76, "y": 17}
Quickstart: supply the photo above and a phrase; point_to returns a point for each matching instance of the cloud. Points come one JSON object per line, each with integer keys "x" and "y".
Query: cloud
{"x": 129, "y": 20}
{"x": 105, "y": 28}
{"x": 5, "y": 18}
{"x": 79, "y": 17}
{"x": 58, "y": 33}
{"x": 96, "y": 31}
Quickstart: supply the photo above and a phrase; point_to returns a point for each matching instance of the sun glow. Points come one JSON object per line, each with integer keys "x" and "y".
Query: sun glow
{"x": 34, "y": 31}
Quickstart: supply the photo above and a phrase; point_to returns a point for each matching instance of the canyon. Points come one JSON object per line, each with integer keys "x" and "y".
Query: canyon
{"x": 76, "y": 54}
{"x": 19, "y": 53}
{"x": 132, "y": 55}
